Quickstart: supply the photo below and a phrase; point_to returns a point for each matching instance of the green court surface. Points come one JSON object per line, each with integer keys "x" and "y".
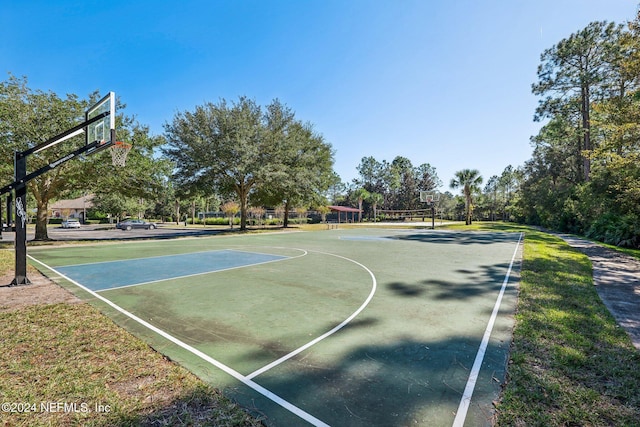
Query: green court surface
{"x": 346, "y": 327}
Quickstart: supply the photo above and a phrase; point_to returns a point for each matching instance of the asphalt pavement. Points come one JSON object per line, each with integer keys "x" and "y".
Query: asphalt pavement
{"x": 109, "y": 232}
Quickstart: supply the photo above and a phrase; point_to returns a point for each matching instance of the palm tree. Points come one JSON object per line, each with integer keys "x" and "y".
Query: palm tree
{"x": 361, "y": 194}
{"x": 323, "y": 211}
{"x": 469, "y": 180}
{"x": 375, "y": 199}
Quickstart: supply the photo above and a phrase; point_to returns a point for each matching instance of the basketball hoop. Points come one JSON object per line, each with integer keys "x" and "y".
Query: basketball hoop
{"x": 119, "y": 151}
{"x": 426, "y": 197}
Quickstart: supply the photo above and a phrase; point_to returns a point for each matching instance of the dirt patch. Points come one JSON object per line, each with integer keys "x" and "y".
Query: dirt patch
{"x": 41, "y": 291}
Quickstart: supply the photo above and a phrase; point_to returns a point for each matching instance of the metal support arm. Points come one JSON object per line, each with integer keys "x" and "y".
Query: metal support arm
{"x": 21, "y": 182}
{"x": 22, "y": 178}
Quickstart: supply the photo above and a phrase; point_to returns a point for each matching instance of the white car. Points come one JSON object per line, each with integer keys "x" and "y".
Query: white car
{"x": 71, "y": 223}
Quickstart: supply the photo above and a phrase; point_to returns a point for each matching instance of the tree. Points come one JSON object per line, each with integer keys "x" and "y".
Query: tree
{"x": 144, "y": 179}
{"x": 335, "y": 194}
{"x": 302, "y": 163}
{"x": 301, "y": 213}
{"x": 583, "y": 175}
{"x": 114, "y": 204}
{"x": 447, "y": 205}
{"x": 29, "y": 117}
{"x": 570, "y": 73}
{"x": 375, "y": 199}
{"x": 239, "y": 149}
{"x": 427, "y": 177}
{"x": 491, "y": 190}
{"x": 323, "y": 211}
{"x": 219, "y": 146}
{"x": 361, "y": 195}
{"x": 164, "y": 205}
{"x": 469, "y": 180}
{"x": 508, "y": 181}
{"x": 374, "y": 175}
{"x": 403, "y": 184}
{"x": 258, "y": 214}
{"x": 399, "y": 182}
{"x": 230, "y": 209}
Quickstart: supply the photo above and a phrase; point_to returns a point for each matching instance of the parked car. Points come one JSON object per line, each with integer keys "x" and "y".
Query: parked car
{"x": 130, "y": 224}
{"x": 71, "y": 223}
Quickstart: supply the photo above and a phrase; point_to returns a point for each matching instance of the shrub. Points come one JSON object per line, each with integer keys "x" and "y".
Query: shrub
{"x": 616, "y": 230}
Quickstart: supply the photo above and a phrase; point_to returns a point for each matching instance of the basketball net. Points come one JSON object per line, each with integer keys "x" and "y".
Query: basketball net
{"x": 119, "y": 151}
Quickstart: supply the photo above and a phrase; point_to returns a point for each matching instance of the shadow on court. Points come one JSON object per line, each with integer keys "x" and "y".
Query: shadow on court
{"x": 458, "y": 238}
{"x": 487, "y": 280}
{"x": 405, "y": 383}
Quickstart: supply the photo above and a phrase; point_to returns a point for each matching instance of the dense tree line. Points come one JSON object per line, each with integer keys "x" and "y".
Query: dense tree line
{"x": 584, "y": 175}
{"x": 237, "y": 152}
{"x": 394, "y": 185}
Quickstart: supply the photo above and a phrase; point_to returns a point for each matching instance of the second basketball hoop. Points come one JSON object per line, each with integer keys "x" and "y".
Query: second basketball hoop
{"x": 119, "y": 151}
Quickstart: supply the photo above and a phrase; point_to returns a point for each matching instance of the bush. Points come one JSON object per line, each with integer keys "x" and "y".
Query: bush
{"x": 214, "y": 221}
{"x": 217, "y": 221}
{"x": 98, "y": 216}
{"x": 616, "y": 230}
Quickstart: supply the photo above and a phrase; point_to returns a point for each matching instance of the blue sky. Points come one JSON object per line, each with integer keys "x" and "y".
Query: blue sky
{"x": 445, "y": 82}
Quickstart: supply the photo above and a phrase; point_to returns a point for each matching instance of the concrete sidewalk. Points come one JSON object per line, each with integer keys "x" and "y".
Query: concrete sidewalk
{"x": 617, "y": 280}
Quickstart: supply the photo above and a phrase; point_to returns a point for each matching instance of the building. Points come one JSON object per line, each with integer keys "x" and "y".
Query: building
{"x": 74, "y": 208}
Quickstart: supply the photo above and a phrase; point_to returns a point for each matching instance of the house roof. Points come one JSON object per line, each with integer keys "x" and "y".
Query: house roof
{"x": 344, "y": 209}
{"x": 79, "y": 203}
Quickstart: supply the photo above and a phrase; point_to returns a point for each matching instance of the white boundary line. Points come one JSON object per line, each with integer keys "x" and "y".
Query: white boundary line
{"x": 247, "y": 380}
{"x": 199, "y": 274}
{"x": 328, "y": 333}
{"x": 235, "y": 374}
{"x": 461, "y": 413}
{"x": 141, "y": 258}
{"x": 163, "y": 256}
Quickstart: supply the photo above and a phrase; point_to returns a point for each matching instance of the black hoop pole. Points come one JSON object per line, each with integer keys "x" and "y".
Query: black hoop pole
{"x": 9, "y": 211}
{"x": 21, "y": 222}
{"x": 433, "y": 217}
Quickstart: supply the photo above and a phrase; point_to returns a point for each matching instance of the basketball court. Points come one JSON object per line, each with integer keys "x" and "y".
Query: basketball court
{"x": 338, "y": 327}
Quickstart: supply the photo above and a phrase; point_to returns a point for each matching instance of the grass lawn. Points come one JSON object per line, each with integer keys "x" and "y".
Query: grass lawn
{"x": 570, "y": 364}
{"x": 628, "y": 251}
{"x": 67, "y": 364}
